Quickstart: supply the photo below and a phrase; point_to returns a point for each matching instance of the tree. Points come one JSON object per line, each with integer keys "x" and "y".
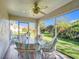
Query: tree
{"x": 24, "y": 29}
{"x": 49, "y": 28}
{"x": 71, "y": 32}
{"x": 63, "y": 26}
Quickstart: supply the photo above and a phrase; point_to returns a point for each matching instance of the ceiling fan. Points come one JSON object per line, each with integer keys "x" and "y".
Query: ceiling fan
{"x": 36, "y": 9}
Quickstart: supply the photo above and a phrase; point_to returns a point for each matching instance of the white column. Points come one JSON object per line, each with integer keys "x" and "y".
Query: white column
{"x": 18, "y": 30}
{"x": 28, "y": 29}
{"x": 38, "y": 54}
{"x": 37, "y": 29}
{"x": 55, "y": 26}
{"x": 56, "y": 32}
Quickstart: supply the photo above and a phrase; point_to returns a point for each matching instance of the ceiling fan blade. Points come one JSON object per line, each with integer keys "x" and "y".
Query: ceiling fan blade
{"x": 42, "y": 12}
{"x": 36, "y": 1}
{"x": 44, "y": 7}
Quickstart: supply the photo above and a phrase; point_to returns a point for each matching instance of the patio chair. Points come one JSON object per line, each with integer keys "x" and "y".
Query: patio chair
{"x": 48, "y": 50}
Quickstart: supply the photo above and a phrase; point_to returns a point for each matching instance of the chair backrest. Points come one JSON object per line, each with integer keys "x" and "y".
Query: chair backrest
{"x": 51, "y": 45}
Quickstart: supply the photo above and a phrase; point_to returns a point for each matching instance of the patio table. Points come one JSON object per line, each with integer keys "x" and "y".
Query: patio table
{"x": 28, "y": 49}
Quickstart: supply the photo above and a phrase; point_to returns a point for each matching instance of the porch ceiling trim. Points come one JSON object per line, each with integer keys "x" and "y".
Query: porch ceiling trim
{"x": 65, "y": 9}
{"x": 13, "y": 17}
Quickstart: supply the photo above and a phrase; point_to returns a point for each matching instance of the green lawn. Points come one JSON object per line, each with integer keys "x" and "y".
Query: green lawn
{"x": 66, "y": 46}
{"x": 69, "y": 48}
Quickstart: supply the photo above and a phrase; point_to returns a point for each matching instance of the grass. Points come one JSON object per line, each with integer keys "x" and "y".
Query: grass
{"x": 66, "y": 46}
{"x": 69, "y": 48}
{"x": 47, "y": 39}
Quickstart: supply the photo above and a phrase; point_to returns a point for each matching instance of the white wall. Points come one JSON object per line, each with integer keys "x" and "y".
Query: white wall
{"x": 3, "y": 10}
{"x": 4, "y": 29}
{"x": 4, "y": 37}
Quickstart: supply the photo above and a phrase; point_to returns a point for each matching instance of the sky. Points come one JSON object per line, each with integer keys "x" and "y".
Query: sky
{"x": 69, "y": 17}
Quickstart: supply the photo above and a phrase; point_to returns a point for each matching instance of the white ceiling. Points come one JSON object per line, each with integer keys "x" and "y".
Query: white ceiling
{"x": 24, "y": 7}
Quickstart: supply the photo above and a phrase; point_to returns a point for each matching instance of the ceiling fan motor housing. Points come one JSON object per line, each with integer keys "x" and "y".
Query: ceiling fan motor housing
{"x": 36, "y": 10}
